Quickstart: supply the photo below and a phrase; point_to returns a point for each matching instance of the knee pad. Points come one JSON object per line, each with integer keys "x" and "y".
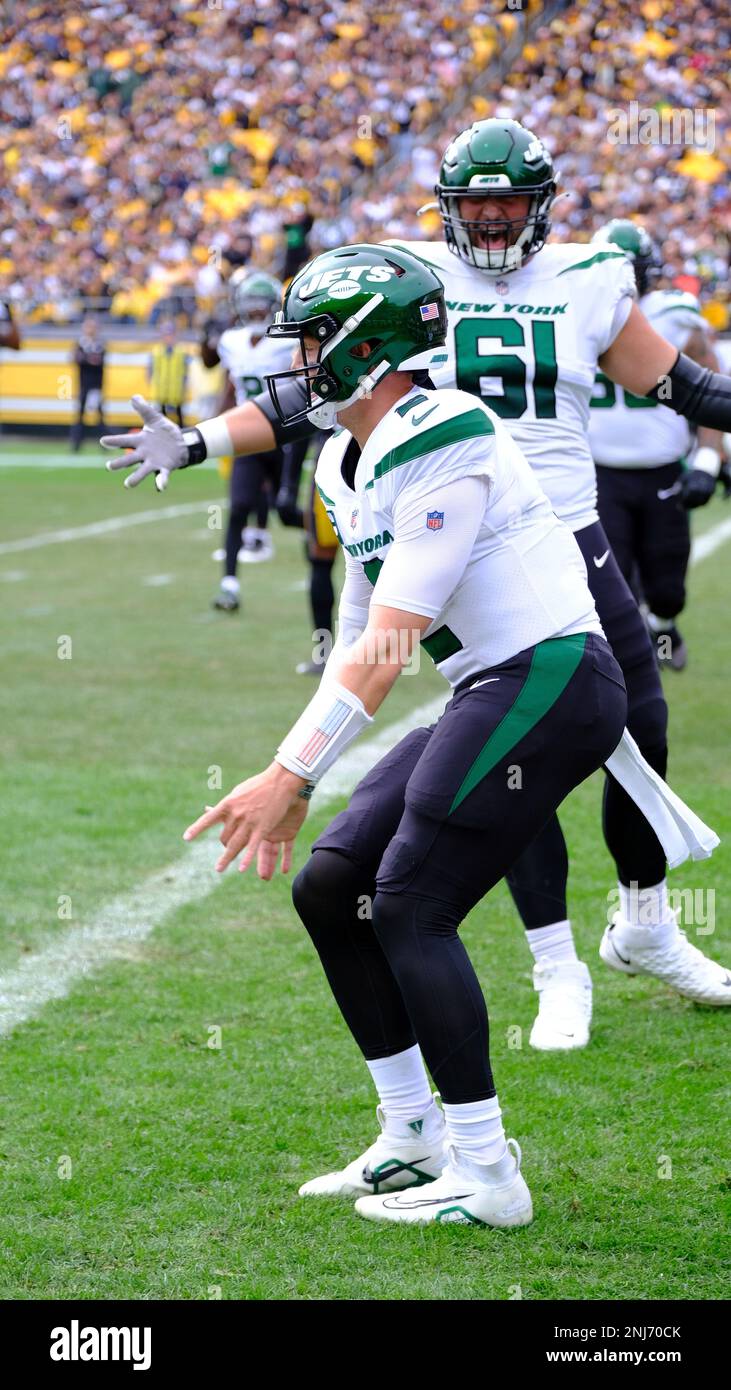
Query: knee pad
{"x": 404, "y": 917}
{"x": 323, "y": 884}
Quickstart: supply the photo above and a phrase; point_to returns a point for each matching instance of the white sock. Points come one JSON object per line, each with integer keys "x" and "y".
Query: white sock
{"x": 645, "y": 907}
{"x": 402, "y": 1085}
{"x": 230, "y": 583}
{"x": 552, "y": 943}
{"x": 660, "y": 624}
{"x": 476, "y": 1130}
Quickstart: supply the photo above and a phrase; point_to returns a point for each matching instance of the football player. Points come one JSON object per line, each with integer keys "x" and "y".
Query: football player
{"x": 529, "y": 325}
{"x": 643, "y": 491}
{"x": 448, "y": 541}
{"x": 247, "y": 355}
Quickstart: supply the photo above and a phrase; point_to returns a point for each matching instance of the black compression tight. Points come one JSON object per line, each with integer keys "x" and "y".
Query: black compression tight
{"x": 399, "y": 972}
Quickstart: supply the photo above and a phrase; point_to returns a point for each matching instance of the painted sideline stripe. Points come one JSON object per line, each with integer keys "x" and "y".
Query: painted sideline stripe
{"x": 103, "y": 528}
{"x": 128, "y": 919}
{"x": 27, "y": 461}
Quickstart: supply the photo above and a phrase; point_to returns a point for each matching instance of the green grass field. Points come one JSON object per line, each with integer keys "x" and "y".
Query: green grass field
{"x": 139, "y": 1162}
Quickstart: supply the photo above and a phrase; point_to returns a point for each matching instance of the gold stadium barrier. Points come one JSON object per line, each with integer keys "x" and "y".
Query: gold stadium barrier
{"x": 39, "y": 384}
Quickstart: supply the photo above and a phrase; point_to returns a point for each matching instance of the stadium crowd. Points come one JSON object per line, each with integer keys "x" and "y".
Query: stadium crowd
{"x": 138, "y": 141}
{"x": 148, "y": 150}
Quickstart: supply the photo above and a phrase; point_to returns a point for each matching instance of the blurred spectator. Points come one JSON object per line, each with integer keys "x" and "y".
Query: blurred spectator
{"x": 168, "y": 373}
{"x": 9, "y": 335}
{"x": 89, "y": 358}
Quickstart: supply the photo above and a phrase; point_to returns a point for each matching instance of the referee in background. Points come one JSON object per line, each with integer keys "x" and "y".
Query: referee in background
{"x": 168, "y": 373}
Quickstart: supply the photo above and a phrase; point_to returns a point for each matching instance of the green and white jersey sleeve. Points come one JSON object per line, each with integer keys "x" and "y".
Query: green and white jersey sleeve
{"x": 447, "y": 520}
{"x": 628, "y": 431}
{"x": 527, "y": 343}
{"x": 249, "y": 357}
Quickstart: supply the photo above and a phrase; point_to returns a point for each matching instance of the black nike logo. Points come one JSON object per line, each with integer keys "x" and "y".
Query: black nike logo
{"x": 399, "y": 1204}
{"x": 616, "y": 952}
{"x": 385, "y": 1174}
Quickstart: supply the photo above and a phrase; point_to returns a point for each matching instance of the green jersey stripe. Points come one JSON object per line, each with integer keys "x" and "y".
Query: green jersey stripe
{"x": 470, "y": 425}
{"x": 679, "y": 308}
{"x": 327, "y": 500}
{"x": 600, "y": 256}
{"x": 554, "y": 663}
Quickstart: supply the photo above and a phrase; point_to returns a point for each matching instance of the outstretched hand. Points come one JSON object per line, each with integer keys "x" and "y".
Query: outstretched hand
{"x": 157, "y": 448}
{"x": 262, "y": 817}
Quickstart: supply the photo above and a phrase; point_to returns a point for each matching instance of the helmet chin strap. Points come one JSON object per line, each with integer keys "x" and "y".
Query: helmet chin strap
{"x": 325, "y": 414}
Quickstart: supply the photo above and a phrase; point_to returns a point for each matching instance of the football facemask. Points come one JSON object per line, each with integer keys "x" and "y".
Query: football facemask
{"x": 320, "y": 385}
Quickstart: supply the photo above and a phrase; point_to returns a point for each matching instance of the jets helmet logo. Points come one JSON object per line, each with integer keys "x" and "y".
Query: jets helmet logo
{"x": 341, "y": 284}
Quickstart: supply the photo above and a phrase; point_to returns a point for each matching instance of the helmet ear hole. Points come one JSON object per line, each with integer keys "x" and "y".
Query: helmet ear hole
{"x": 365, "y": 349}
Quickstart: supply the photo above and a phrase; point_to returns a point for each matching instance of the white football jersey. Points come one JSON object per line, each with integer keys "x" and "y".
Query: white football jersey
{"x": 627, "y": 431}
{"x": 527, "y": 344}
{"x": 525, "y": 579}
{"x": 248, "y": 362}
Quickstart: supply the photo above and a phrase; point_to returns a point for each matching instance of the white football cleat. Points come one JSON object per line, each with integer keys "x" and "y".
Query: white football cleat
{"x": 257, "y": 546}
{"x": 564, "y": 1006}
{"x": 461, "y": 1194}
{"x": 403, "y": 1155}
{"x": 666, "y": 953}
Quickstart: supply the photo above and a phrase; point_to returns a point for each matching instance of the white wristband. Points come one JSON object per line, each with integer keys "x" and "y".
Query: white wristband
{"x": 216, "y": 437}
{"x": 706, "y": 460}
{"x": 333, "y": 718}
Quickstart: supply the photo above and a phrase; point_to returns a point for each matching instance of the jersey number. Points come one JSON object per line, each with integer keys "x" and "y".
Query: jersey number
{"x": 606, "y": 394}
{"x": 478, "y": 369}
{"x": 251, "y": 385}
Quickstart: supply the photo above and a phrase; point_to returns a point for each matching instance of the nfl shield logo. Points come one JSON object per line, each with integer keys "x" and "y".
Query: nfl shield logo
{"x": 353, "y": 518}
{"x": 502, "y": 287}
{"x": 434, "y": 521}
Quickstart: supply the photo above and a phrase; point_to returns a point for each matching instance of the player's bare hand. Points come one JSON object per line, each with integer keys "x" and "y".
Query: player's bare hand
{"x": 157, "y": 448}
{"x": 261, "y": 816}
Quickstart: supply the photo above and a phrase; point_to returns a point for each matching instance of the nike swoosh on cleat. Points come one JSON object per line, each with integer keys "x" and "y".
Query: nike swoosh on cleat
{"x": 665, "y": 492}
{"x": 393, "y": 1204}
{"x": 616, "y": 952}
{"x": 727, "y": 982}
{"x": 602, "y": 559}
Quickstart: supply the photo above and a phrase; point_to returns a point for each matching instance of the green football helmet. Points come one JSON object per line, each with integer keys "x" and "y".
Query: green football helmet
{"x": 638, "y": 246}
{"x": 496, "y": 158}
{"x": 379, "y": 295}
{"x": 255, "y": 297}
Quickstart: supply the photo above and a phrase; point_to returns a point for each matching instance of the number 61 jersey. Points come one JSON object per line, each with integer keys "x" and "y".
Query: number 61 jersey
{"x": 527, "y": 344}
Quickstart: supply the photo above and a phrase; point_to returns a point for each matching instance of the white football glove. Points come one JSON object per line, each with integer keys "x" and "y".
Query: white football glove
{"x": 158, "y": 447}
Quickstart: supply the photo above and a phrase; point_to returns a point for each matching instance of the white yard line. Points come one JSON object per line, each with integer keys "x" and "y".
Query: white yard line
{"x": 130, "y": 918}
{"x": 710, "y": 541}
{"x": 52, "y": 972}
{"x": 104, "y": 528}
